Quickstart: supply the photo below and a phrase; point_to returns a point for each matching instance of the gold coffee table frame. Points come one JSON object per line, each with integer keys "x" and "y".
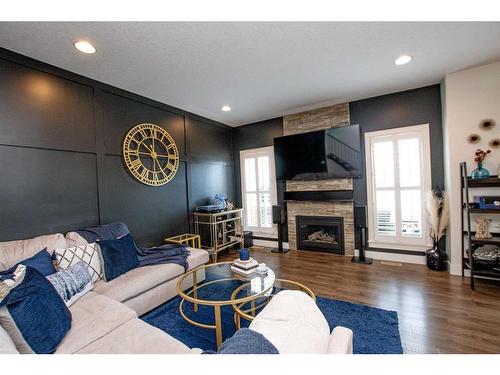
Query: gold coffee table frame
{"x": 249, "y": 314}
{"x": 192, "y": 296}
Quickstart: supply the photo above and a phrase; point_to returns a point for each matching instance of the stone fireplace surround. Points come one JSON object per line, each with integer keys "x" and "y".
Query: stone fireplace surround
{"x": 317, "y": 119}
{"x": 322, "y": 208}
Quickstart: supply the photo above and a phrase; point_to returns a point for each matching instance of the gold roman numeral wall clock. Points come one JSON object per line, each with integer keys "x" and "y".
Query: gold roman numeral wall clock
{"x": 150, "y": 154}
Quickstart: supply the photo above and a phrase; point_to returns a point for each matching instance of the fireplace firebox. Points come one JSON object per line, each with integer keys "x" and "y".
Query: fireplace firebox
{"x": 320, "y": 233}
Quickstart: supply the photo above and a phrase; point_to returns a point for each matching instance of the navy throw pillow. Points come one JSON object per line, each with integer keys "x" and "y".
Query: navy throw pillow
{"x": 118, "y": 256}
{"x": 41, "y": 261}
{"x": 31, "y": 311}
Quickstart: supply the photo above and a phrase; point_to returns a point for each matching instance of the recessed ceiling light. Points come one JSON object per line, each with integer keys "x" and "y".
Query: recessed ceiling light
{"x": 401, "y": 60}
{"x": 85, "y": 47}
{"x": 226, "y": 108}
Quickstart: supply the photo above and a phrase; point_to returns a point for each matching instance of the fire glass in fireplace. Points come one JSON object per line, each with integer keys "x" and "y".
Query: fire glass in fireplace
{"x": 320, "y": 233}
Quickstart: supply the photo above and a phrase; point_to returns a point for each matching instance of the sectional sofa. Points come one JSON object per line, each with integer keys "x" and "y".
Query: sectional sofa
{"x": 105, "y": 320}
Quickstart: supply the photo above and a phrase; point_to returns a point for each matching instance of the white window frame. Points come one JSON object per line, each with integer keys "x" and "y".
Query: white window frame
{"x": 255, "y": 153}
{"x": 397, "y": 241}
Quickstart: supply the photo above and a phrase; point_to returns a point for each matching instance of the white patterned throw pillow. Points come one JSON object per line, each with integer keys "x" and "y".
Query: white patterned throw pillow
{"x": 85, "y": 253}
{"x": 72, "y": 283}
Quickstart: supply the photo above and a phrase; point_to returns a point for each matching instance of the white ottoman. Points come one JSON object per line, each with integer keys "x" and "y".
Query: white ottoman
{"x": 294, "y": 324}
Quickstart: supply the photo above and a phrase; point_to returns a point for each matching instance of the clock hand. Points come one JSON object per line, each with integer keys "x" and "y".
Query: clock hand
{"x": 161, "y": 169}
{"x": 147, "y": 147}
{"x": 167, "y": 156}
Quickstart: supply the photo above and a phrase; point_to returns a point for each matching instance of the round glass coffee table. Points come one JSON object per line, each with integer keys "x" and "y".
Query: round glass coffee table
{"x": 217, "y": 290}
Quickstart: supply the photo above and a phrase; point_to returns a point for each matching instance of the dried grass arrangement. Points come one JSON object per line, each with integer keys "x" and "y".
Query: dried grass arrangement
{"x": 438, "y": 211}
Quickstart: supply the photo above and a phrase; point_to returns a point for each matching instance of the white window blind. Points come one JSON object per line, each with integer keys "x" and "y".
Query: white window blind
{"x": 258, "y": 188}
{"x": 398, "y": 175}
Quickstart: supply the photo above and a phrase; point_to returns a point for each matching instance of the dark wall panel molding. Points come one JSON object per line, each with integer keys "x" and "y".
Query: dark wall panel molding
{"x": 60, "y": 145}
{"x": 11, "y": 56}
{"x": 215, "y": 145}
{"x": 39, "y": 107}
{"x": 119, "y": 115}
{"x": 46, "y": 191}
{"x": 151, "y": 213}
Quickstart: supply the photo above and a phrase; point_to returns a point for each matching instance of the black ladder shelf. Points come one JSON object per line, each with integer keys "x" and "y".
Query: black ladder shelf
{"x": 471, "y": 243}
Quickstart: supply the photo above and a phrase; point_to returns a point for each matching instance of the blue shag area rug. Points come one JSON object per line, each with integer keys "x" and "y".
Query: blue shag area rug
{"x": 375, "y": 330}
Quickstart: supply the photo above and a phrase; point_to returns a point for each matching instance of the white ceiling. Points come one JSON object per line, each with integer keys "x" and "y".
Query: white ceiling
{"x": 262, "y": 70}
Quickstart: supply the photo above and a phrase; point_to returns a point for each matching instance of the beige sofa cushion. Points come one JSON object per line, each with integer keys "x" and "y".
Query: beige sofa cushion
{"x": 152, "y": 298}
{"x": 136, "y": 337}
{"x": 141, "y": 279}
{"x": 74, "y": 239}
{"x": 12, "y": 252}
{"x": 340, "y": 341}
{"x": 93, "y": 316}
{"x": 197, "y": 257}
{"x": 137, "y": 281}
{"x": 147, "y": 301}
{"x": 7, "y": 346}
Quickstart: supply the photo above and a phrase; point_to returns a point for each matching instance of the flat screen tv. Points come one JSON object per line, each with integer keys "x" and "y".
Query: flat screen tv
{"x": 319, "y": 155}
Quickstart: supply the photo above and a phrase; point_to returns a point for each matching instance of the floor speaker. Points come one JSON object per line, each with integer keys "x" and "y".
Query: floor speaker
{"x": 278, "y": 214}
{"x": 360, "y": 218}
{"x": 360, "y": 225}
{"x": 279, "y": 219}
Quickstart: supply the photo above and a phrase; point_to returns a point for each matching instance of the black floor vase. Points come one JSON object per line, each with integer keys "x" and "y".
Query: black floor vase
{"x": 436, "y": 259}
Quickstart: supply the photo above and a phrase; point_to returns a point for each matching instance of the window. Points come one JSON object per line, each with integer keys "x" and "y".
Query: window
{"x": 258, "y": 188}
{"x": 398, "y": 175}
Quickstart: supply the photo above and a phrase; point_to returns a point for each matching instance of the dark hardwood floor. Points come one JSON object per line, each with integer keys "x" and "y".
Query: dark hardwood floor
{"x": 438, "y": 313}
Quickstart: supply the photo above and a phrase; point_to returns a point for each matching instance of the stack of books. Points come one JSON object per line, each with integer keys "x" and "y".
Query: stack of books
{"x": 245, "y": 267}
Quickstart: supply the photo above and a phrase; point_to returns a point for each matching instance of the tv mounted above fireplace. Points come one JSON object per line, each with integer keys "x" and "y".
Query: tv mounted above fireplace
{"x": 319, "y": 155}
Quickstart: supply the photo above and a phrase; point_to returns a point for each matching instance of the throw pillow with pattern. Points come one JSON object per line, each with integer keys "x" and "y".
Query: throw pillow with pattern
{"x": 72, "y": 283}
{"x": 86, "y": 253}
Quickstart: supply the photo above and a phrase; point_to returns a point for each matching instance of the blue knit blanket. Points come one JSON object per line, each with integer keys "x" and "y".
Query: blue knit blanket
{"x": 170, "y": 253}
{"x": 246, "y": 341}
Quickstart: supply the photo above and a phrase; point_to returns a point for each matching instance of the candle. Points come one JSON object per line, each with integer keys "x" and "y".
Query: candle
{"x": 244, "y": 254}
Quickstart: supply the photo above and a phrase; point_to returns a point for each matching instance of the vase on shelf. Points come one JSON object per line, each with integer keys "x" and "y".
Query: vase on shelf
{"x": 436, "y": 258}
{"x": 480, "y": 172}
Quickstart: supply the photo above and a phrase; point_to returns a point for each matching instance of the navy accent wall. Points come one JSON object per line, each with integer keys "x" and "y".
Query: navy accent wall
{"x": 60, "y": 151}
{"x": 407, "y": 108}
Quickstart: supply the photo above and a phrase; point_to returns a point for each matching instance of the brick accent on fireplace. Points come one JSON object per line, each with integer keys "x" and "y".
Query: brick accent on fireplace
{"x": 307, "y": 208}
{"x": 316, "y": 119}
{"x": 320, "y": 185}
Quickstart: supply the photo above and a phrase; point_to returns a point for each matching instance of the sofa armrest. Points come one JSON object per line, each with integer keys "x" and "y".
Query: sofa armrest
{"x": 340, "y": 341}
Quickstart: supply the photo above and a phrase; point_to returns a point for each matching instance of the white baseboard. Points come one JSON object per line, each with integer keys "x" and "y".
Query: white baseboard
{"x": 403, "y": 258}
{"x": 267, "y": 243}
{"x": 455, "y": 269}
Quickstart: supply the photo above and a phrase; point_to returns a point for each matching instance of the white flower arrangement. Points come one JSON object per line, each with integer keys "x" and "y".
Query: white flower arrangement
{"x": 438, "y": 211}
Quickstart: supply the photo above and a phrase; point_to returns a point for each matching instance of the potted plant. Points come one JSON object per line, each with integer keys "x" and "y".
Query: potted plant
{"x": 438, "y": 212}
{"x": 480, "y": 172}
